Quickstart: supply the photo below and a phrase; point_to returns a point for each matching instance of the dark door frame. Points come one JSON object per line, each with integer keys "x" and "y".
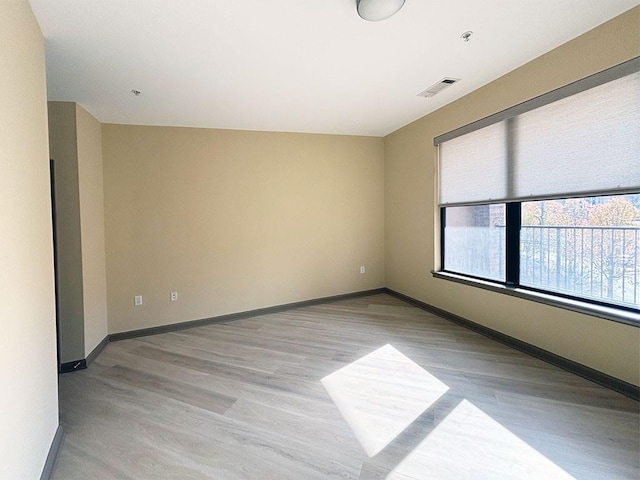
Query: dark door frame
{"x": 52, "y": 181}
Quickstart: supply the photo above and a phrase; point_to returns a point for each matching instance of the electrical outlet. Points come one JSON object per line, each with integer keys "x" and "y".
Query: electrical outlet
{"x": 137, "y": 300}
{"x": 362, "y": 269}
{"x": 174, "y": 296}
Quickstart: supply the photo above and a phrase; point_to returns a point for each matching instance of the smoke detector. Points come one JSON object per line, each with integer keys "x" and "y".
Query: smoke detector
{"x": 466, "y": 36}
{"x": 438, "y": 87}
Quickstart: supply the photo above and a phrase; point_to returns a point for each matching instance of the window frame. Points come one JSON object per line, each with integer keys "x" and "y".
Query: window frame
{"x": 512, "y": 286}
{"x": 513, "y": 206}
{"x": 613, "y": 314}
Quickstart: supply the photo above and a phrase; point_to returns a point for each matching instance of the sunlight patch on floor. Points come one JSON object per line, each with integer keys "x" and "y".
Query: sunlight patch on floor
{"x": 469, "y": 444}
{"x": 381, "y": 394}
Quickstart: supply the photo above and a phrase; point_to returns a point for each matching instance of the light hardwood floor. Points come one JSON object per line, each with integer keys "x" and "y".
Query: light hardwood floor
{"x": 310, "y": 393}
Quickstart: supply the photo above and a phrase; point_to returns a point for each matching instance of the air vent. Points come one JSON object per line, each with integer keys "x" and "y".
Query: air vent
{"x": 437, "y": 87}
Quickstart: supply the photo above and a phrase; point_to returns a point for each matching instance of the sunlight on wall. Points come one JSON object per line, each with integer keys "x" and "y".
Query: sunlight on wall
{"x": 381, "y": 394}
{"x": 469, "y": 444}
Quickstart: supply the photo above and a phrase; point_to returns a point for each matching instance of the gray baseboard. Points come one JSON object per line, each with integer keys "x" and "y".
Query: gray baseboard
{"x": 52, "y": 456}
{"x": 96, "y": 351}
{"x": 73, "y": 366}
{"x": 114, "y": 337}
{"x": 83, "y": 363}
{"x": 620, "y": 386}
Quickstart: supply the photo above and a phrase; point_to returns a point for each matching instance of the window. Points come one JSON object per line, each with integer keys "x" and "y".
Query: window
{"x": 474, "y": 241}
{"x": 583, "y": 247}
{"x": 545, "y": 196}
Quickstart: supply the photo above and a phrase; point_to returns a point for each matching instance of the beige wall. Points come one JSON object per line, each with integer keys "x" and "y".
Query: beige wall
{"x": 63, "y": 149}
{"x": 91, "y": 192}
{"x": 411, "y": 228}
{"x": 236, "y": 221}
{"x": 28, "y": 381}
{"x": 76, "y": 147}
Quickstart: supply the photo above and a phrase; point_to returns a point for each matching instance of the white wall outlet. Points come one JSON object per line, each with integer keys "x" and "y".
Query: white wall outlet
{"x": 137, "y": 300}
{"x": 174, "y": 296}
{"x": 362, "y": 269}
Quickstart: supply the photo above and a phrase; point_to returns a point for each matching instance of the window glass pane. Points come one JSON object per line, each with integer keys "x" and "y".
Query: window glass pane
{"x": 584, "y": 247}
{"x": 475, "y": 241}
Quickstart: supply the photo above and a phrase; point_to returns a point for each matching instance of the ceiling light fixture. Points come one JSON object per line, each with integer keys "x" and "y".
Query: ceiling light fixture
{"x": 376, "y": 10}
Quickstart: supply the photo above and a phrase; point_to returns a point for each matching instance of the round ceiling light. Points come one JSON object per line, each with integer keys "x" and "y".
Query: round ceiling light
{"x": 376, "y": 10}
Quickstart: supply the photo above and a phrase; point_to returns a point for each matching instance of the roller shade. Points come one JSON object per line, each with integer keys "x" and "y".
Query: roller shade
{"x": 583, "y": 139}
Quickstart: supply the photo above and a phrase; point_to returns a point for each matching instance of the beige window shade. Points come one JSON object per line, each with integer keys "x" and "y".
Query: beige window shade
{"x": 473, "y": 167}
{"x": 588, "y": 143}
{"x": 561, "y": 145}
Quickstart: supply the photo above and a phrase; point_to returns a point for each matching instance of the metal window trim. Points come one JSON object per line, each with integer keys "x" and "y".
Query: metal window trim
{"x": 611, "y": 313}
{"x": 513, "y": 221}
{"x": 595, "y": 80}
{"x": 537, "y": 198}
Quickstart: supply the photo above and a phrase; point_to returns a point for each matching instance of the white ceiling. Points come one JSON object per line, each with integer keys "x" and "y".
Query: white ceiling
{"x": 291, "y": 65}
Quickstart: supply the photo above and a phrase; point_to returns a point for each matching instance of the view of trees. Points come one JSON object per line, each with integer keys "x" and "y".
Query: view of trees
{"x": 595, "y": 211}
{"x": 585, "y": 246}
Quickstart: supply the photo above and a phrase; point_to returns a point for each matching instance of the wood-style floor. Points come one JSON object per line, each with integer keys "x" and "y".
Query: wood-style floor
{"x": 366, "y": 388}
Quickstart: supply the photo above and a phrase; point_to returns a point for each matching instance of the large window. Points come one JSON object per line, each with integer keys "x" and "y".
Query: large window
{"x": 545, "y": 196}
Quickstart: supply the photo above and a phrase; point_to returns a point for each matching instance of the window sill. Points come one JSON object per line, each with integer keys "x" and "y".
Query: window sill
{"x": 601, "y": 311}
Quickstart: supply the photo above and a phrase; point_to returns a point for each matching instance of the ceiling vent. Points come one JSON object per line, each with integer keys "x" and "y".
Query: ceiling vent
{"x": 438, "y": 86}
